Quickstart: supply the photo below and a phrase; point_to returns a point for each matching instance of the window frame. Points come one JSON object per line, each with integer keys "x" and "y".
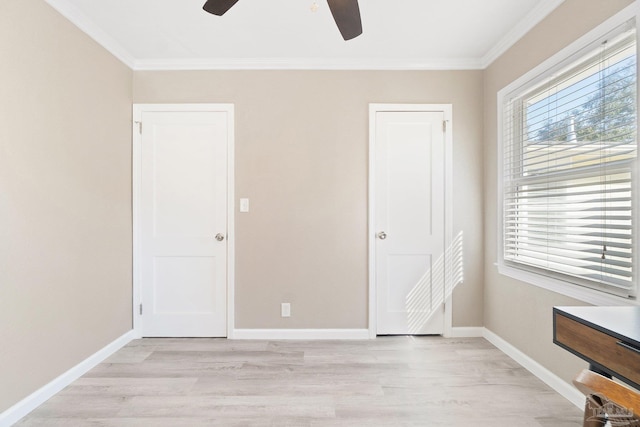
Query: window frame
{"x": 544, "y": 71}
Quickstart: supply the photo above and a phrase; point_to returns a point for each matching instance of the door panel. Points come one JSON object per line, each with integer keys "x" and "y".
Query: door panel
{"x": 183, "y": 207}
{"x": 185, "y": 181}
{"x": 410, "y": 210}
{"x": 404, "y": 272}
{"x": 194, "y": 276}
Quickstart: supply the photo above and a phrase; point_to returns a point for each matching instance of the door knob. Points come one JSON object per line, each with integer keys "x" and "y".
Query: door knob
{"x": 382, "y": 235}
{"x": 219, "y": 237}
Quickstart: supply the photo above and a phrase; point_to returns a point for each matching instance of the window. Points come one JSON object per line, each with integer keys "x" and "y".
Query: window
{"x": 568, "y": 168}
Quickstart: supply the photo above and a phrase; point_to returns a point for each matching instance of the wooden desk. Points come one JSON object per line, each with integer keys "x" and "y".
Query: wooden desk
{"x": 606, "y": 337}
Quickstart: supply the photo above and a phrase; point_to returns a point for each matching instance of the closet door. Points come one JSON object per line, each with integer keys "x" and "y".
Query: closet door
{"x": 410, "y": 221}
{"x": 183, "y": 223}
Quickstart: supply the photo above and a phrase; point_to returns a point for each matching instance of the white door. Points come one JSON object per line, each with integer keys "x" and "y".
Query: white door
{"x": 183, "y": 223}
{"x": 409, "y": 229}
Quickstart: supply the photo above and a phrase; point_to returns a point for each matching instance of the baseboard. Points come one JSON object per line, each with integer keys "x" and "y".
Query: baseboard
{"x": 552, "y": 380}
{"x": 300, "y": 334}
{"x": 466, "y": 332}
{"x": 35, "y": 399}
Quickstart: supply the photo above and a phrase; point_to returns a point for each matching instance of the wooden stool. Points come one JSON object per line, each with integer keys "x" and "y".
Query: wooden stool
{"x": 607, "y": 401}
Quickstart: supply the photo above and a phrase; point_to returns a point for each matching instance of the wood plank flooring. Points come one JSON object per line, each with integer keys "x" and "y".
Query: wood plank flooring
{"x": 390, "y": 381}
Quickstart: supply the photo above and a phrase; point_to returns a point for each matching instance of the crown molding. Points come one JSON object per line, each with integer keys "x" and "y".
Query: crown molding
{"x": 85, "y": 24}
{"x": 88, "y": 26}
{"x": 307, "y": 64}
{"x": 531, "y": 19}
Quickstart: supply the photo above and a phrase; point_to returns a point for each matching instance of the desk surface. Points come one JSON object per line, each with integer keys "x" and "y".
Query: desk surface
{"x": 620, "y": 322}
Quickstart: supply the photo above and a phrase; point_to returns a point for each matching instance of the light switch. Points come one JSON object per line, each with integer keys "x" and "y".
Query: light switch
{"x": 285, "y": 309}
{"x": 244, "y": 205}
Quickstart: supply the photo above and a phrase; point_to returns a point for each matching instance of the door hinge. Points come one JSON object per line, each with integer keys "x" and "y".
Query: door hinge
{"x": 139, "y": 127}
{"x": 140, "y": 309}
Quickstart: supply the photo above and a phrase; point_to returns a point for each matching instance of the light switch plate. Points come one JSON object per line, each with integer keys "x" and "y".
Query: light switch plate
{"x": 286, "y": 309}
{"x": 244, "y": 205}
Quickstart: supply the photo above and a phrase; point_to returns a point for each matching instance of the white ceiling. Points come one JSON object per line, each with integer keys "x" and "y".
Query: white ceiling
{"x": 286, "y": 34}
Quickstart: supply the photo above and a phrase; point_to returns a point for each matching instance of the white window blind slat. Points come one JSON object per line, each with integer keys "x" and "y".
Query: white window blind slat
{"x": 564, "y": 151}
{"x": 585, "y": 240}
{"x": 572, "y": 249}
{"x": 587, "y": 264}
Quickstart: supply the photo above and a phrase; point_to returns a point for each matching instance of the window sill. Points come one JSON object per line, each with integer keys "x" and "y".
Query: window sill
{"x": 590, "y": 296}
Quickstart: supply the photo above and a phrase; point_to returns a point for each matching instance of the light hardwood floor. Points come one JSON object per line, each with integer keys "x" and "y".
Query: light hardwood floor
{"x": 390, "y": 381}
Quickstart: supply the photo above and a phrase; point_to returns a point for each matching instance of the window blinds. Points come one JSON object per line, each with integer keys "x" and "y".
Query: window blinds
{"x": 568, "y": 169}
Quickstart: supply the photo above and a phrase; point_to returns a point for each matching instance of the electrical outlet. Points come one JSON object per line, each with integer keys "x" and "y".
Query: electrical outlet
{"x": 285, "y": 309}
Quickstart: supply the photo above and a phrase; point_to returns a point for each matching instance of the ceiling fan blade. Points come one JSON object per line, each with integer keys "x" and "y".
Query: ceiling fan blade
{"x": 346, "y": 13}
{"x": 219, "y": 7}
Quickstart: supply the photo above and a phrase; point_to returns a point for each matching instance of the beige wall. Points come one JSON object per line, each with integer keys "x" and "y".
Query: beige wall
{"x": 65, "y": 209}
{"x": 521, "y": 313}
{"x": 301, "y": 158}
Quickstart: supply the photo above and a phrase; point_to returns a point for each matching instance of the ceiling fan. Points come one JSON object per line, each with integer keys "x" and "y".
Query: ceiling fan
{"x": 346, "y": 13}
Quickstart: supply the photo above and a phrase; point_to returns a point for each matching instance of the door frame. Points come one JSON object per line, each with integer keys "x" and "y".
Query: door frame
{"x": 137, "y": 125}
{"x": 447, "y": 110}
